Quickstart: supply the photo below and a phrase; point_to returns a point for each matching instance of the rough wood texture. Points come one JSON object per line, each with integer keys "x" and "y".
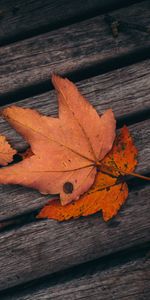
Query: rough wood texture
{"x": 68, "y": 49}
{"x": 126, "y": 280}
{"x": 15, "y": 200}
{"x": 125, "y": 90}
{"x": 19, "y": 18}
{"x": 45, "y": 247}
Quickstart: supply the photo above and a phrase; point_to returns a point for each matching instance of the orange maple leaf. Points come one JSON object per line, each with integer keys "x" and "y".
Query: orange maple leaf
{"x": 66, "y": 150}
{"x": 6, "y": 151}
{"x": 108, "y": 192}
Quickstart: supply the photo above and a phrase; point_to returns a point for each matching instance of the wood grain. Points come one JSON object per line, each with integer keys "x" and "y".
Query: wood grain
{"x": 19, "y": 18}
{"x": 126, "y": 280}
{"x": 45, "y": 247}
{"x": 125, "y": 90}
{"x": 70, "y": 49}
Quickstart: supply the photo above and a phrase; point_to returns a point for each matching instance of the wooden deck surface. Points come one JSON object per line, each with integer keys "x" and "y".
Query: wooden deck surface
{"x": 84, "y": 258}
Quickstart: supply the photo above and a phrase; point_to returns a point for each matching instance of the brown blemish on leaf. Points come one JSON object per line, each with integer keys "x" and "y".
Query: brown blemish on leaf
{"x": 68, "y": 187}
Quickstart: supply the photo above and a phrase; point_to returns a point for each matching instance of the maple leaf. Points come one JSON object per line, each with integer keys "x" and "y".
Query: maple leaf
{"x": 108, "y": 192}
{"x": 6, "y": 151}
{"x": 66, "y": 150}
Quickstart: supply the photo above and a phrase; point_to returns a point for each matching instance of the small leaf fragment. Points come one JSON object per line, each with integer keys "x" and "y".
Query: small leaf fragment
{"x": 6, "y": 151}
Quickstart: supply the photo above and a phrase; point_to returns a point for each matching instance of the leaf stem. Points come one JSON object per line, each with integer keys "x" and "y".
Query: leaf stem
{"x": 99, "y": 165}
{"x": 137, "y": 175}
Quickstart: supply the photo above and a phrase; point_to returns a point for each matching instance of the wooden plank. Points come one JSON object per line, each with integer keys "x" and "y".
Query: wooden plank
{"x": 15, "y": 200}
{"x": 125, "y": 90}
{"x": 104, "y": 91}
{"x": 126, "y": 280}
{"x": 19, "y": 19}
{"x": 45, "y": 247}
{"x": 69, "y": 49}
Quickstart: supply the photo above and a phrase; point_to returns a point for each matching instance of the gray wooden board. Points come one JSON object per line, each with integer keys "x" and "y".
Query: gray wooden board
{"x": 18, "y": 18}
{"x": 125, "y": 90}
{"x": 104, "y": 91}
{"x": 71, "y": 48}
{"x": 44, "y": 247}
{"x": 128, "y": 280}
{"x": 15, "y": 200}
{"x": 47, "y": 246}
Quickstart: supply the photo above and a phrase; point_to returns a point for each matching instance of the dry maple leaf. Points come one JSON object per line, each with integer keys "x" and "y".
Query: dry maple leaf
{"x": 6, "y": 151}
{"x": 66, "y": 150}
{"x": 108, "y": 192}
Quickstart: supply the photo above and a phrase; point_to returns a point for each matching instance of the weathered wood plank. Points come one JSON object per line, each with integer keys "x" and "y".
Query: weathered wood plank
{"x": 126, "y": 280}
{"x": 125, "y": 90}
{"x": 45, "y": 247}
{"x": 19, "y": 19}
{"x": 15, "y": 200}
{"x": 127, "y": 97}
{"x": 68, "y": 49}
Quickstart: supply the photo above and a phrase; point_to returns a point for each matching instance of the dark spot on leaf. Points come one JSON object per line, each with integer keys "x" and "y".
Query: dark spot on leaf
{"x": 68, "y": 187}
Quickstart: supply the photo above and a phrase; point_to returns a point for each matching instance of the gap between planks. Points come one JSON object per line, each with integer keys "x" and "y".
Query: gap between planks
{"x": 21, "y": 20}
{"x": 139, "y": 274}
{"x": 29, "y": 62}
{"x": 46, "y": 247}
{"x": 84, "y": 73}
{"x": 25, "y": 218}
{"x": 15, "y": 200}
{"x": 106, "y": 276}
{"x": 101, "y": 91}
{"x": 125, "y": 90}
